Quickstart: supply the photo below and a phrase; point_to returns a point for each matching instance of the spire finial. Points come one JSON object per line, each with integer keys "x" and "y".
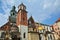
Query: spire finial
{"x": 22, "y": 6}
{"x": 13, "y": 7}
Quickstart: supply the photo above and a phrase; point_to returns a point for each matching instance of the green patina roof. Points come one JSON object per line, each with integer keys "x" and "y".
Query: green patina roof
{"x": 13, "y": 13}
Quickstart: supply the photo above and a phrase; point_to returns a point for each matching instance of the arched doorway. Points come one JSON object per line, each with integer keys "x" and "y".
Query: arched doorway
{"x": 15, "y": 37}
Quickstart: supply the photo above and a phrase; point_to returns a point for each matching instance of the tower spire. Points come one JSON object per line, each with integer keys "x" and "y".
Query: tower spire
{"x": 22, "y": 22}
{"x": 22, "y": 7}
{"x": 12, "y": 17}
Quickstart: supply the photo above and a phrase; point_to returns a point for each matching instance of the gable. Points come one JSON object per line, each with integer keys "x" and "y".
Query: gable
{"x": 31, "y": 20}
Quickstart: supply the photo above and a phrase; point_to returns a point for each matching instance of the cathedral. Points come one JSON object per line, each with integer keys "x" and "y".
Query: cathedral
{"x": 20, "y": 28}
{"x": 17, "y": 26}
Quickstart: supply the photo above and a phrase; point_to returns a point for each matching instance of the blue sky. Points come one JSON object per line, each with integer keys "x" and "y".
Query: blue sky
{"x": 43, "y": 11}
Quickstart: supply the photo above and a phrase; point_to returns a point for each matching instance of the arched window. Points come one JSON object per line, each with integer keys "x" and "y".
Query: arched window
{"x": 13, "y": 14}
{"x": 24, "y": 35}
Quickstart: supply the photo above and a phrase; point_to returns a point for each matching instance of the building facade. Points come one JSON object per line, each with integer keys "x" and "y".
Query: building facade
{"x": 22, "y": 22}
{"x": 56, "y": 28}
{"x": 20, "y": 28}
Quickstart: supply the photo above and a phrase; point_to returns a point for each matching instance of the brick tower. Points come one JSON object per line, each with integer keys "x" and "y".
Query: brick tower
{"x": 21, "y": 21}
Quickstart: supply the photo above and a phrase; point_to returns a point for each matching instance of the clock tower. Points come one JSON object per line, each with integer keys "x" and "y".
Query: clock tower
{"x": 22, "y": 22}
{"x": 12, "y": 17}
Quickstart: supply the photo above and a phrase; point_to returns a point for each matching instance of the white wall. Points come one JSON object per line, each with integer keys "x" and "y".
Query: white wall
{"x": 23, "y": 29}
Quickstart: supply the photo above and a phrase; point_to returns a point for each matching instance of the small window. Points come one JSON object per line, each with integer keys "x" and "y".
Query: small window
{"x": 13, "y": 13}
{"x": 58, "y": 28}
{"x": 33, "y": 29}
{"x": 24, "y": 35}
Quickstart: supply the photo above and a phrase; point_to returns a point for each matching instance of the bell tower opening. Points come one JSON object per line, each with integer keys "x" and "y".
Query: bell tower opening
{"x": 22, "y": 7}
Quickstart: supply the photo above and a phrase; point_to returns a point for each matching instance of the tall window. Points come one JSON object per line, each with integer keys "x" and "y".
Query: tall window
{"x": 24, "y": 35}
{"x": 13, "y": 13}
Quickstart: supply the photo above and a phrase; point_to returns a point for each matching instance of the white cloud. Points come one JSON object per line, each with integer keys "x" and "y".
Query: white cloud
{"x": 3, "y": 19}
{"x": 51, "y": 4}
{"x": 44, "y": 16}
{"x": 57, "y": 3}
{"x": 4, "y": 15}
{"x": 46, "y": 5}
{"x": 31, "y": 1}
{"x": 10, "y": 2}
{"x": 48, "y": 8}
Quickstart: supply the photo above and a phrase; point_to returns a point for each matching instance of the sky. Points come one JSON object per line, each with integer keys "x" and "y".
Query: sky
{"x": 42, "y": 11}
